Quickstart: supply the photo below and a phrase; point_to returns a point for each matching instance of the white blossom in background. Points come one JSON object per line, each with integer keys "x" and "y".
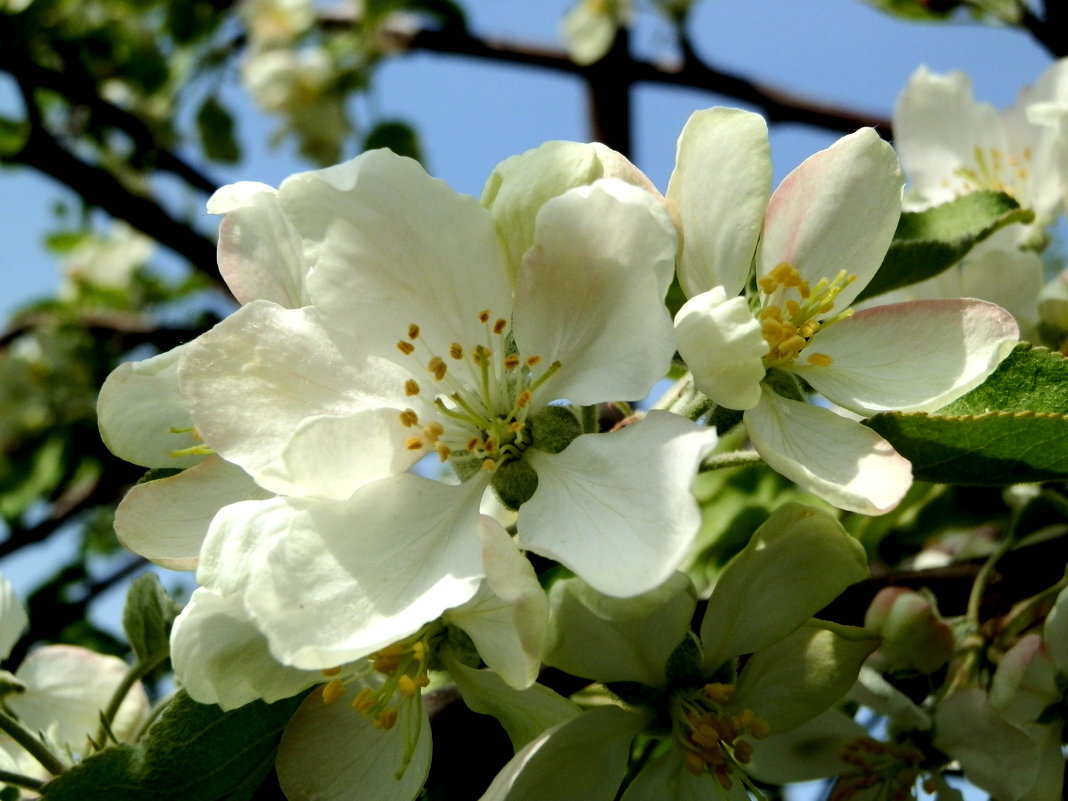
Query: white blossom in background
{"x": 591, "y": 26}
{"x": 815, "y": 243}
{"x": 106, "y": 262}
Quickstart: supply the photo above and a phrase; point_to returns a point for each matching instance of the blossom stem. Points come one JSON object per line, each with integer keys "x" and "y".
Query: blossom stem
{"x": 133, "y": 675}
{"x": 25, "y": 738}
{"x": 591, "y": 423}
{"x": 17, "y": 779}
{"x": 724, "y": 460}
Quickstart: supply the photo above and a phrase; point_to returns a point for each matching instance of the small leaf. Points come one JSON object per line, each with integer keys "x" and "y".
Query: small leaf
{"x": 147, "y": 619}
{"x": 398, "y": 136}
{"x": 995, "y": 448}
{"x": 930, "y": 241}
{"x": 195, "y": 752}
{"x": 1030, "y": 379}
{"x": 215, "y": 126}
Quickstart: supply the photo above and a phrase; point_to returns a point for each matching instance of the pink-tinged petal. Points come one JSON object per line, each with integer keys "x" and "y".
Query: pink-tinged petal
{"x": 592, "y": 500}
{"x": 13, "y": 618}
{"x": 166, "y": 520}
{"x": 842, "y": 462}
{"x": 331, "y": 752}
{"x": 372, "y": 569}
{"x": 837, "y": 211}
{"x": 937, "y": 128}
{"x": 69, "y": 687}
{"x": 253, "y": 379}
{"x": 723, "y": 346}
{"x": 549, "y": 767}
{"x": 389, "y": 247}
{"x": 718, "y": 193}
{"x": 914, "y": 356}
{"x": 142, "y": 416}
{"x": 520, "y": 185}
{"x": 590, "y": 293}
{"x": 219, "y": 657}
{"x": 261, "y": 256}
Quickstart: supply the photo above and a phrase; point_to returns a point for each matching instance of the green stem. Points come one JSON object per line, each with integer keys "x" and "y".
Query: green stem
{"x": 591, "y": 422}
{"x": 133, "y": 675}
{"x": 724, "y": 460}
{"x": 17, "y": 779}
{"x": 25, "y": 738}
{"x": 153, "y": 716}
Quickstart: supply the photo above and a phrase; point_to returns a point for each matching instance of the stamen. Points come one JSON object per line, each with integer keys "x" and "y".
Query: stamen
{"x": 386, "y": 719}
{"x": 532, "y": 361}
{"x": 511, "y": 361}
{"x": 819, "y": 360}
{"x": 483, "y": 316}
{"x": 334, "y": 671}
{"x": 499, "y": 326}
{"x": 407, "y": 348}
{"x": 409, "y": 418}
{"x": 411, "y": 387}
{"x": 413, "y": 444}
{"x": 456, "y": 350}
{"x": 332, "y": 691}
{"x": 413, "y": 331}
{"x": 437, "y": 368}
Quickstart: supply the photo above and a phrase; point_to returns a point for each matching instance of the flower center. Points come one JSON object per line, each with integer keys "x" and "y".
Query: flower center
{"x": 791, "y": 311}
{"x": 482, "y": 392}
{"x": 400, "y": 674}
{"x": 872, "y": 762}
{"x": 992, "y": 170}
{"x": 711, "y": 737}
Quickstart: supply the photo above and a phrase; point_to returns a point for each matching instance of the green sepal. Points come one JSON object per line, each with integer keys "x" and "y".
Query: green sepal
{"x": 992, "y": 449}
{"x": 10, "y": 793}
{"x": 10, "y": 685}
{"x": 785, "y": 384}
{"x": 930, "y": 241}
{"x": 194, "y": 752}
{"x": 554, "y": 428}
{"x": 396, "y": 135}
{"x": 514, "y": 482}
{"x": 684, "y": 666}
{"x": 156, "y": 473}
{"x": 147, "y": 618}
{"x": 634, "y": 693}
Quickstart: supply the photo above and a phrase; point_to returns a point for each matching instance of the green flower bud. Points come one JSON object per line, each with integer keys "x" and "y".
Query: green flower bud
{"x": 514, "y": 482}
{"x": 553, "y": 428}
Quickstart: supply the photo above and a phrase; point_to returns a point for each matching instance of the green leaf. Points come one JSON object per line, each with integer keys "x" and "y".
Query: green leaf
{"x": 927, "y": 10}
{"x": 215, "y": 127}
{"x": 1030, "y": 379}
{"x": 930, "y": 241}
{"x": 194, "y": 752}
{"x": 397, "y": 136}
{"x": 995, "y": 448}
{"x": 147, "y": 619}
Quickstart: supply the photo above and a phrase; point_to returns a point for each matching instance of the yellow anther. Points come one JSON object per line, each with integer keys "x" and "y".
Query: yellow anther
{"x": 743, "y": 718}
{"x": 1027, "y": 153}
{"x": 819, "y": 360}
{"x": 523, "y": 400}
{"x": 772, "y": 329}
{"x": 409, "y": 418}
{"x": 364, "y": 700}
{"x": 826, "y": 307}
{"x": 793, "y": 307}
{"x": 808, "y": 328}
{"x": 489, "y": 466}
{"x": 443, "y": 451}
{"x": 419, "y": 651}
{"x": 407, "y": 348}
{"x": 511, "y": 362}
{"x": 705, "y": 735}
{"x": 533, "y": 360}
{"x": 720, "y": 693}
{"x": 387, "y": 660}
{"x": 771, "y": 312}
{"x": 491, "y": 444}
{"x": 694, "y": 763}
{"x": 743, "y": 751}
{"x": 332, "y": 691}
{"x": 803, "y": 290}
{"x": 791, "y": 346}
{"x": 723, "y": 776}
{"x": 434, "y": 430}
{"x": 759, "y": 728}
{"x": 456, "y": 350}
{"x": 411, "y": 387}
{"x": 386, "y": 719}
{"x": 516, "y": 426}
{"x": 407, "y": 687}
{"x": 422, "y": 681}
{"x": 413, "y": 443}
{"x": 483, "y": 316}
{"x": 437, "y": 368}
{"x": 413, "y": 331}
{"x": 474, "y": 444}
{"x": 499, "y": 326}
{"x": 334, "y": 671}
{"x": 767, "y": 284}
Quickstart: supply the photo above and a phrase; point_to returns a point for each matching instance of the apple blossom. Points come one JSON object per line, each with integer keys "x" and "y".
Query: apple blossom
{"x": 815, "y": 243}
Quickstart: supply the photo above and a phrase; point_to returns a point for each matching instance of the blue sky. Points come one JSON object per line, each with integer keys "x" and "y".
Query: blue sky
{"x": 471, "y": 114}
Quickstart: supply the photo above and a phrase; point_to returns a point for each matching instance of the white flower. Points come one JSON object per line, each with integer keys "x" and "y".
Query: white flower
{"x": 950, "y": 145}
{"x": 591, "y": 26}
{"x": 106, "y": 262}
{"x": 822, "y": 236}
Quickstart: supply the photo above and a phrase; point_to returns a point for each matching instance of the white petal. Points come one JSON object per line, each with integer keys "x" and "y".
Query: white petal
{"x": 837, "y": 211}
{"x": 508, "y": 618}
{"x": 260, "y": 253}
{"x": 253, "y": 379}
{"x": 843, "y": 462}
{"x": 1010, "y": 278}
{"x": 623, "y": 529}
{"x": 607, "y": 639}
{"x": 811, "y": 751}
{"x": 69, "y": 687}
{"x": 1056, "y": 632}
{"x": 372, "y": 569}
{"x": 524, "y": 714}
{"x": 13, "y": 618}
{"x": 331, "y": 752}
{"x": 167, "y": 520}
{"x": 915, "y": 356}
{"x": 139, "y": 409}
{"x": 723, "y": 346}
{"x": 666, "y": 778}
{"x": 588, "y": 33}
{"x": 238, "y": 539}
{"x": 590, "y": 293}
{"x": 549, "y": 767}
{"x": 219, "y": 657}
{"x": 719, "y": 191}
{"x": 390, "y": 246}
{"x": 520, "y": 185}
